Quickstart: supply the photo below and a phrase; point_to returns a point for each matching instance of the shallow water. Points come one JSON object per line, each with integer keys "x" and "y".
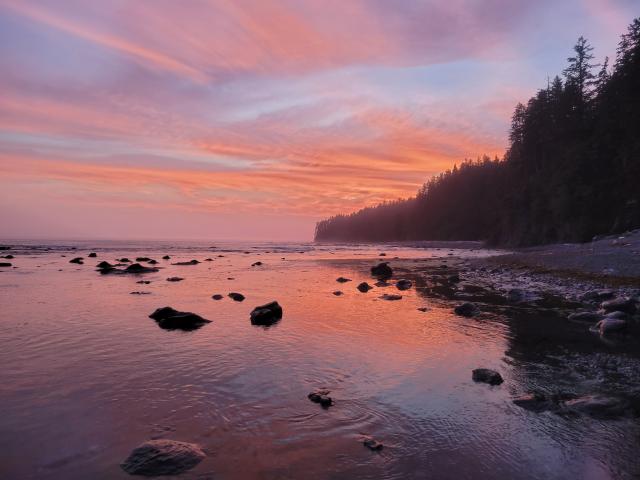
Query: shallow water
{"x": 87, "y": 376}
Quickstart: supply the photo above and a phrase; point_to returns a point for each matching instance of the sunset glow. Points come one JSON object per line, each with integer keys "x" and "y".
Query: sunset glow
{"x": 254, "y": 119}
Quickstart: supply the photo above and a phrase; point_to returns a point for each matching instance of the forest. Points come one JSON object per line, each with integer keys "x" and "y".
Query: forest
{"x": 571, "y": 170}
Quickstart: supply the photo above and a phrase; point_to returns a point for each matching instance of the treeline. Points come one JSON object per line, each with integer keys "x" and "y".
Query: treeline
{"x": 572, "y": 169}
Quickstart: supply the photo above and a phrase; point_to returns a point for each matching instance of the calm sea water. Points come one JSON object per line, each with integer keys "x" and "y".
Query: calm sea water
{"x": 86, "y": 376}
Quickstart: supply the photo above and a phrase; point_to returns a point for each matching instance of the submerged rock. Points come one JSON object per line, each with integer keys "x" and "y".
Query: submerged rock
{"x": 137, "y": 268}
{"x": 372, "y": 444}
{"x": 256, "y": 264}
{"x": 486, "y": 375}
{"x": 322, "y": 397}
{"x": 144, "y": 282}
{"x": 337, "y": 293}
{"x": 382, "y": 270}
{"x": 78, "y": 260}
{"x": 390, "y": 297}
{"x": 622, "y": 304}
{"x": 9, "y": 257}
{"x": 466, "y": 309}
{"x": 364, "y": 287}
{"x": 92, "y": 255}
{"x": 217, "y": 296}
{"x": 238, "y": 297}
{"x": 175, "y": 279}
{"x": 124, "y": 260}
{"x": 403, "y": 284}
{"x": 171, "y": 319}
{"x": 190, "y": 262}
{"x": 105, "y": 266}
{"x": 266, "y": 314}
{"x": 342, "y": 279}
{"x": 163, "y": 457}
{"x": 166, "y": 257}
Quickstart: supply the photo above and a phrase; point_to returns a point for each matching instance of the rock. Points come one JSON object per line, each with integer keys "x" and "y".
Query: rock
{"x": 486, "y": 375}
{"x": 124, "y": 260}
{"x": 381, "y": 283}
{"x": 171, "y": 319}
{"x": 238, "y": 297}
{"x": 92, "y": 255}
{"x": 403, "y": 284}
{"x": 143, "y": 259}
{"x": 598, "y": 406}
{"x": 372, "y": 444}
{"x": 190, "y": 262}
{"x": 163, "y": 457}
{"x": 342, "y": 280}
{"x": 175, "y": 279}
{"x": 152, "y": 262}
{"x": 77, "y": 260}
{"x": 620, "y": 315}
{"x": 382, "y": 254}
{"x": 145, "y": 282}
{"x": 5, "y": 264}
{"x": 256, "y": 264}
{"x": 4, "y": 247}
{"x": 337, "y": 293}
{"x": 423, "y": 309}
{"x": 139, "y": 293}
{"x": 590, "y": 317}
{"x": 9, "y": 257}
{"x": 597, "y": 295}
{"x": 466, "y": 309}
{"x": 266, "y": 314}
{"x": 105, "y": 266}
{"x": 322, "y": 397}
{"x": 382, "y": 270}
{"x": 166, "y": 257}
{"x": 391, "y": 297}
{"x": 217, "y": 296}
{"x": 610, "y": 325}
{"x": 364, "y": 287}
{"x": 622, "y": 304}
{"x": 137, "y": 268}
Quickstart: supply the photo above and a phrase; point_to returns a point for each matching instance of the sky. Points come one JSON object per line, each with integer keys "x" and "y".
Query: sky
{"x": 253, "y": 119}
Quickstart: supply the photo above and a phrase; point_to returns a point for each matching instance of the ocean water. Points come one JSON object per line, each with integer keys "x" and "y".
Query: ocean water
{"x": 87, "y": 376}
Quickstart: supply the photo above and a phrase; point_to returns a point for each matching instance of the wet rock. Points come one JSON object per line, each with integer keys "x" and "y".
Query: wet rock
{"x": 403, "y": 284}
{"x": 238, "y": 297}
{"x": 610, "y": 325}
{"x": 591, "y": 317}
{"x": 372, "y": 444}
{"x": 390, "y": 297}
{"x": 622, "y": 304}
{"x": 597, "y": 295}
{"x": 208, "y": 259}
{"x": 598, "y": 406}
{"x": 190, "y": 262}
{"x": 171, "y": 319}
{"x": 342, "y": 280}
{"x": 8, "y": 257}
{"x": 5, "y": 264}
{"x": 163, "y": 457}
{"x": 217, "y": 296}
{"x": 78, "y": 260}
{"x": 175, "y": 279}
{"x": 337, "y": 293}
{"x": 322, "y": 397}
{"x": 152, "y": 262}
{"x": 382, "y": 270}
{"x": 92, "y": 255}
{"x": 381, "y": 283}
{"x": 166, "y": 257}
{"x": 382, "y": 254}
{"x": 124, "y": 260}
{"x": 143, "y": 259}
{"x": 466, "y": 309}
{"x": 266, "y": 314}
{"x": 256, "y": 264}
{"x": 137, "y": 268}
{"x": 620, "y": 315}
{"x": 4, "y": 247}
{"x": 144, "y": 282}
{"x": 364, "y": 287}
{"x": 105, "y": 267}
{"x": 486, "y": 375}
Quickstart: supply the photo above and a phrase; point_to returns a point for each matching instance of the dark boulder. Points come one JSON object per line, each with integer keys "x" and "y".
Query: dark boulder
{"x": 137, "y": 268}
{"x": 92, "y": 255}
{"x": 382, "y": 270}
{"x": 190, "y": 262}
{"x": 104, "y": 265}
{"x": 124, "y": 260}
{"x": 238, "y": 297}
{"x": 171, "y": 319}
{"x": 466, "y": 309}
{"x": 217, "y": 296}
{"x": 486, "y": 375}
{"x": 152, "y": 262}
{"x": 364, "y": 287}
{"x": 78, "y": 260}
{"x": 4, "y": 247}
{"x": 337, "y": 293}
{"x": 622, "y": 304}
{"x": 342, "y": 280}
{"x": 144, "y": 282}
{"x": 404, "y": 284}
{"x": 9, "y": 257}
{"x": 163, "y": 457}
{"x": 390, "y": 297}
{"x": 166, "y": 257}
{"x": 610, "y": 325}
{"x": 5, "y": 264}
{"x": 266, "y": 314}
{"x": 322, "y": 397}
{"x": 208, "y": 259}
{"x": 175, "y": 279}
{"x": 256, "y": 264}
{"x": 142, "y": 259}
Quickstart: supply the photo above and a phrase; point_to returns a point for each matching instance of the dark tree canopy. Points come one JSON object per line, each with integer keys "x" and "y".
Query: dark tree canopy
{"x": 571, "y": 171}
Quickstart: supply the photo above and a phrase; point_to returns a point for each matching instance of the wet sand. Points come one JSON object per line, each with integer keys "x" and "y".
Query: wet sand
{"x": 87, "y": 375}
